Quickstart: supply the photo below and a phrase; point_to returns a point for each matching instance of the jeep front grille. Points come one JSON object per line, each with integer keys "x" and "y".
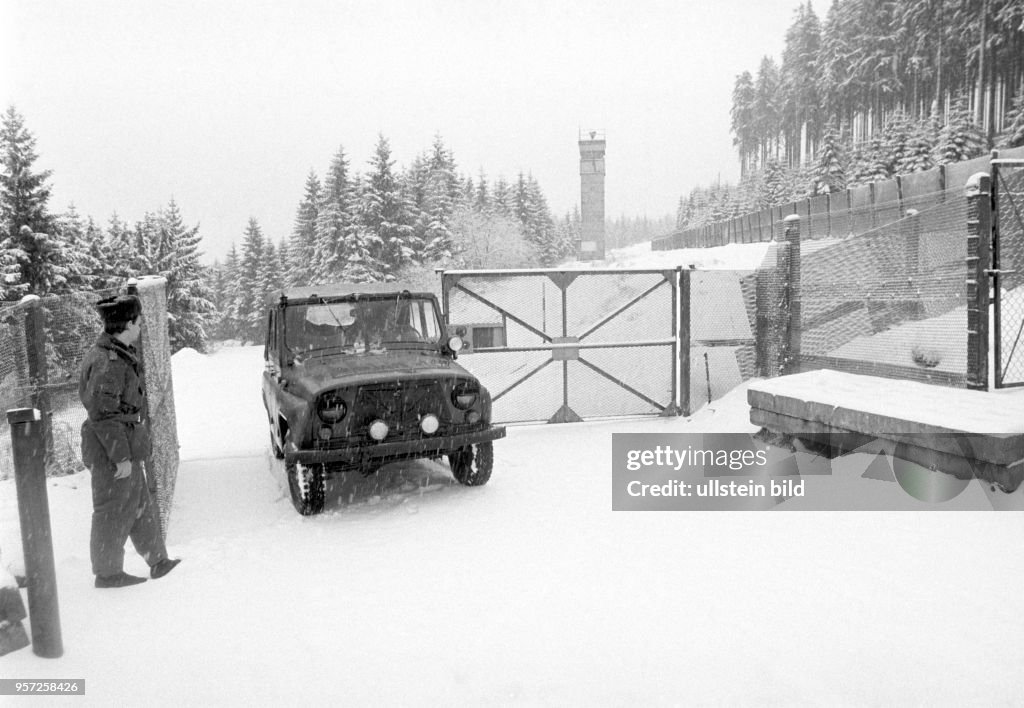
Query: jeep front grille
{"x": 401, "y": 404}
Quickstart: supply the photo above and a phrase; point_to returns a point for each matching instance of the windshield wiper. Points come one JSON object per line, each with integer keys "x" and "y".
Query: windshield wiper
{"x": 321, "y": 351}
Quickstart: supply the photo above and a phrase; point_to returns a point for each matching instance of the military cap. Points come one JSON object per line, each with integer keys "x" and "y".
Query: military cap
{"x": 120, "y": 308}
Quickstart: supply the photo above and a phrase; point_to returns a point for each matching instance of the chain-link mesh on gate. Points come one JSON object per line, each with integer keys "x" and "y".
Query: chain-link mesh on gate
{"x": 723, "y": 324}
{"x": 562, "y": 346}
{"x": 891, "y": 299}
{"x": 1008, "y": 271}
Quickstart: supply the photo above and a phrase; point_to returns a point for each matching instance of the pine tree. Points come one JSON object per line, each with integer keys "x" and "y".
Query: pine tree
{"x": 920, "y": 148}
{"x": 682, "y": 213}
{"x": 830, "y": 174}
{"x": 1013, "y": 134}
{"x": 774, "y": 190}
{"x": 250, "y": 294}
{"x": 482, "y": 198}
{"x": 502, "y": 198}
{"x": 216, "y": 278}
{"x": 99, "y": 257}
{"x": 231, "y": 320}
{"x": 959, "y": 139}
{"x": 83, "y": 265}
{"x": 896, "y": 137}
{"x": 743, "y": 130}
{"x": 24, "y": 194}
{"x": 767, "y": 123}
{"x": 386, "y": 217}
{"x": 540, "y": 229}
{"x": 26, "y": 248}
{"x": 303, "y": 243}
{"x": 335, "y": 221}
{"x": 284, "y": 262}
{"x": 878, "y": 164}
{"x": 144, "y": 240}
{"x": 189, "y": 299}
{"x": 270, "y": 276}
{"x": 799, "y": 104}
{"x": 38, "y": 264}
{"x": 119, "y": 246}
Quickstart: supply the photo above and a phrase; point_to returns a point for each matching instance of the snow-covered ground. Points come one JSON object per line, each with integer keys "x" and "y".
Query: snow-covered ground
{"x": 412, "y": 590}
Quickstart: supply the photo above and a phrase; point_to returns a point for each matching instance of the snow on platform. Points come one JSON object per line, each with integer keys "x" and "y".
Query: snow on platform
{"x": 963, "y": 432}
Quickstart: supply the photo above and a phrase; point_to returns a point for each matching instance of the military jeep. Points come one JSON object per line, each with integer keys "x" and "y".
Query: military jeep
{"x": 360, "y": 375}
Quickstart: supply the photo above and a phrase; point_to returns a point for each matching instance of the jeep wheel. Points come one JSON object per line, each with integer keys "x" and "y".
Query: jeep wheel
{"x": 307, "y": 488}
{"x": 463, "y": 468}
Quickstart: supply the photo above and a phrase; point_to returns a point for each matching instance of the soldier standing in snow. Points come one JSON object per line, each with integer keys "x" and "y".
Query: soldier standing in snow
{"x": 115, "y": 441}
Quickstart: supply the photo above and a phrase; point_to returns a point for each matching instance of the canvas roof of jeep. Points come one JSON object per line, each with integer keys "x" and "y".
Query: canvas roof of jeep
{"x": 299, "y": 294}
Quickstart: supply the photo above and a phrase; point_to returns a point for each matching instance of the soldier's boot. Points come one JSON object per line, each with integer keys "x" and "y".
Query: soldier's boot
{"x": 118, "y": 580}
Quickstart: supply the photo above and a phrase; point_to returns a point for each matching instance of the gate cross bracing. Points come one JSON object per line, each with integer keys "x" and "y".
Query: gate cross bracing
{"x": 561, "y": 346}
{"x": 1007, "y": 271}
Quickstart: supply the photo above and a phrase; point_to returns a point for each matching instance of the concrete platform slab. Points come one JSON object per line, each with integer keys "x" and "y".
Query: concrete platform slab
{"x": 959, "y": 431}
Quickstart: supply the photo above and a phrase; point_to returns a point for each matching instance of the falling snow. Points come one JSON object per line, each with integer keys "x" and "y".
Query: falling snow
{"x": 411, "y": 589}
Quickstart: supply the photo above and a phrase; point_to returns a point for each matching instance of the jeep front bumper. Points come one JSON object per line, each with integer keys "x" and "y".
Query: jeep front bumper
{"x": 358, "y": 455}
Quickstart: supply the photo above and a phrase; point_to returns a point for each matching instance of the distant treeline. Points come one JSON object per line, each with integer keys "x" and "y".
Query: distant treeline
{"x": 389, "y": 224}
{"x": 383, "y": 224}
{"x": 878, "y": 89}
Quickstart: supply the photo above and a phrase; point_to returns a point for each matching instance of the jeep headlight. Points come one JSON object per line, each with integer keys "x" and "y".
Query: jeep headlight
{"x": 455, "y": 343}
{"x": 331, "y": 408}
{"x": 378, "y": 430}
{"x": 464, "y": 395}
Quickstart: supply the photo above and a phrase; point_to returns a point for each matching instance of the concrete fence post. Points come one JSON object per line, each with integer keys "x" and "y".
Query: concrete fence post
{"x": 979, "y": 258}
{"x": 155, "y": 351}
{"x": 791, "y": 361}
{"x": 27, "y": 434}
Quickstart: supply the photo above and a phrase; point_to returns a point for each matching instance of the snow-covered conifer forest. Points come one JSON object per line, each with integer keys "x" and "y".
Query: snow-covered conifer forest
{"x": 381, "y": 223}
{"x": 874, "y": 90}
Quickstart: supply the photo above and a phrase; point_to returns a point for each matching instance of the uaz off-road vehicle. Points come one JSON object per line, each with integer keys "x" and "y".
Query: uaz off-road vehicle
{"x": 357, "y": 376}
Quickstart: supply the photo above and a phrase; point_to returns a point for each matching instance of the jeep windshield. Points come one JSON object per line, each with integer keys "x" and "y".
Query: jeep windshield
{"x": 368, "y": 325}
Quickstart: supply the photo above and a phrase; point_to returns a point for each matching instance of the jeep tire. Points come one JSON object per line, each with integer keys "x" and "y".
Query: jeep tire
{"x": 471, "y": 465}
{"x": 306, "y": 486}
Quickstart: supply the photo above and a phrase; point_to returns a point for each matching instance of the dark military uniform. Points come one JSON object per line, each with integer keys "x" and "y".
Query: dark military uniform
{"x": 111, "y": 391}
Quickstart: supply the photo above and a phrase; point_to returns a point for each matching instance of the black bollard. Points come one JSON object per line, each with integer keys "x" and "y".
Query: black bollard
{"x": 36, "y": 539}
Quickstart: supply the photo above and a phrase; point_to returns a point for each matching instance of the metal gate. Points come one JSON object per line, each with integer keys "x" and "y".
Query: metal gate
{"x": 563, "y": 346}
{"x": 1008, "y": 270}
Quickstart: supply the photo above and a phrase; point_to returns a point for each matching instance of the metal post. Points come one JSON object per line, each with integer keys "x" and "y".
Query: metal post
{"x": 675, "y": 331}
{"x": 684, "y": 341}
{"x": 35, "y": 348}
{"x": 979, "y": 258}
{"x": 36, "y": 539}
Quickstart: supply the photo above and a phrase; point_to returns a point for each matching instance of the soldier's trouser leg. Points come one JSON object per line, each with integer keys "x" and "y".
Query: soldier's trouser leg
{"x": 112, "y": 517}
{"x": 145, "y": 532}
{"x": 122, "y": 508}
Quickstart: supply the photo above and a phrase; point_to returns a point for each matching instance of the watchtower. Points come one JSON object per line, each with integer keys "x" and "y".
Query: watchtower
{"x": 591, "y": 195}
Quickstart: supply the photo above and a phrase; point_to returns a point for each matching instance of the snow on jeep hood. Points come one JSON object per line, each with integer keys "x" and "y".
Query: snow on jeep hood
{"x": 319, "y": 373}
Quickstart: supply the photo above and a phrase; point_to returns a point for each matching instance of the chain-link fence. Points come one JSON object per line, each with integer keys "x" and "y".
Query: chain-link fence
{"x": 890, "y": 300}
{"x": 723, "y": 325}
{"x": 1008, "y": 266}
{"x": 42, "y": 343}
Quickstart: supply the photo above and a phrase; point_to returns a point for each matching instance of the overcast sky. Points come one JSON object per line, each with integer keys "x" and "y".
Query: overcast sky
{"x": 226, "y": 106}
